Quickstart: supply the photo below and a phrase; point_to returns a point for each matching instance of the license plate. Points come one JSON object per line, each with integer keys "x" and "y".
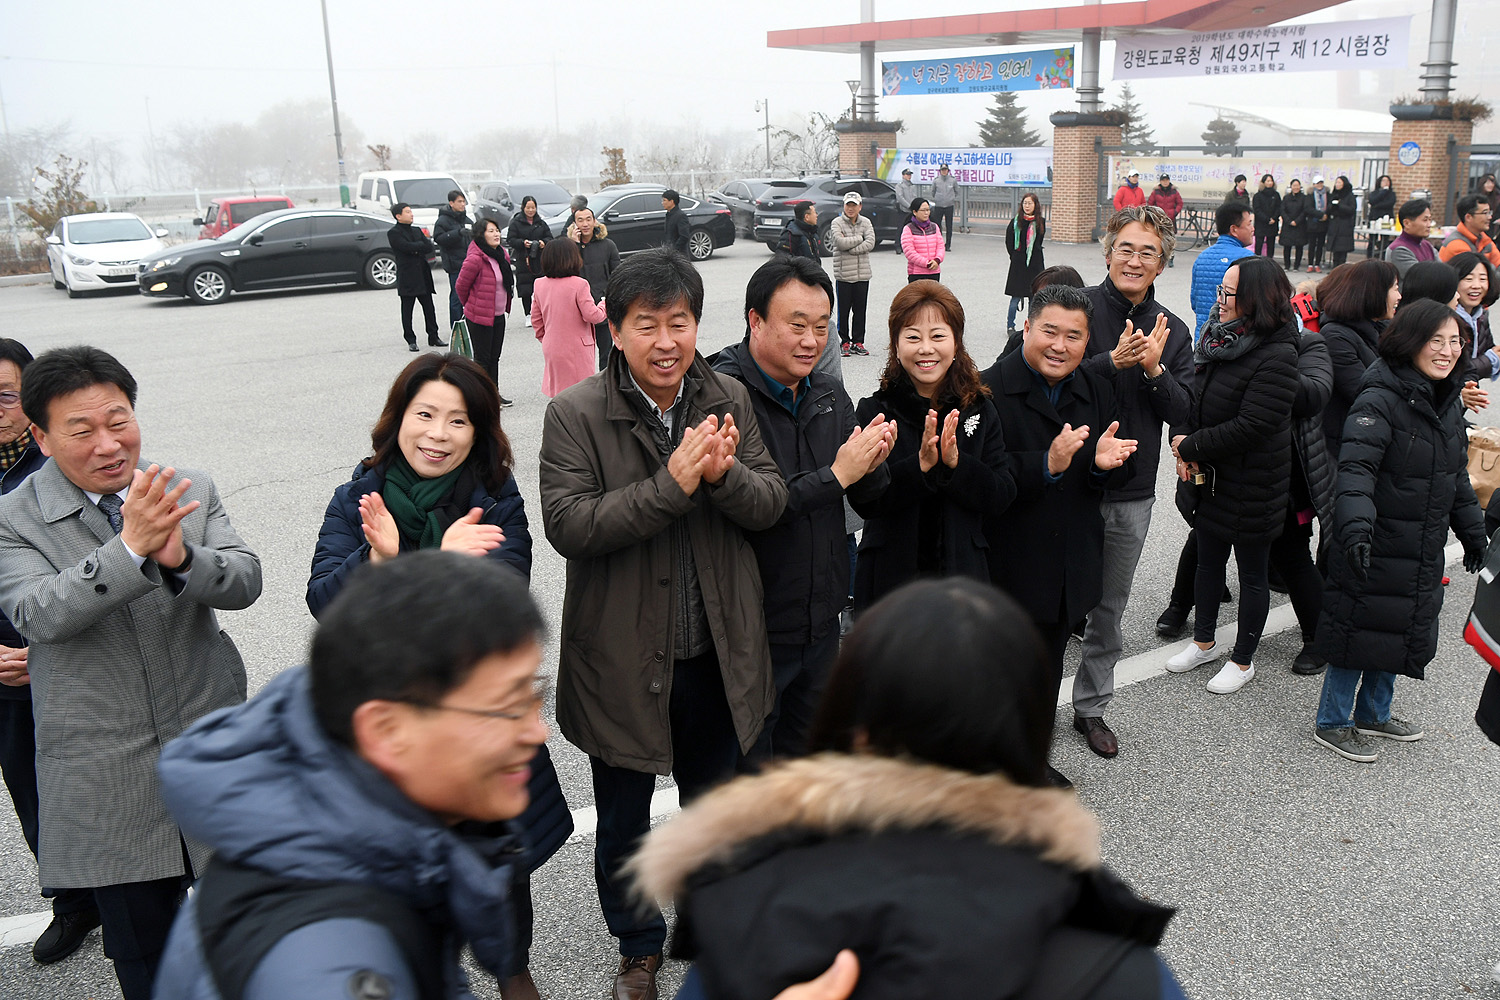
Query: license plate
{"x": 119, "y": 272}
{"x": 770, "y": 222}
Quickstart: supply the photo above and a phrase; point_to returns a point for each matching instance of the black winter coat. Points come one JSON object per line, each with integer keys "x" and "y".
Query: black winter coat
{"x": 1145, "y": 405}
{"x": 676, "y": 229}
{"x": 1318, "y": 465}
{"x": 1242, "y": 433}
{"x": 31, "y": 459}
{"x": 1294, "y": 220}
{"x": 1235, "y": 196}
{"x": 1352, "y": 349}
{"x": 528, "y": 260}
{"x": 804, "y": 559}
{"x": 600, "y": 258}
{"x": 1023, "y": 272}
{"x": 1315, "y": 221}
{"x": 934, "y": 877}
{"x": 1266, "y": 204}
{"x": 1341, "y": 211}
{"x": 932, "y": 523}
{"x": 451, "y": 234}
{"x": 1047, "y": 547}
{"x": 803, "y": 242}
{"x": 1381, "y": 203}
{"x": 413, "y": 273}
{"x": 1403, "y": 482}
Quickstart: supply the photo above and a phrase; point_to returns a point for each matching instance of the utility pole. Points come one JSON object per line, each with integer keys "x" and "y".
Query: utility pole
{"x": 333, "y": 95}
{"x": 556, "y": 118}
{"x": 765, "y": 105}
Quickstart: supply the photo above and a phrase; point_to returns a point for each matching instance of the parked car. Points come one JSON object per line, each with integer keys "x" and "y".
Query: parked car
{"x": 289, "y": 248}
{"x": 99, "y": 250}
{"x": 500, "y": 200}
{"x": 636, "y": 220}
{"x": 773, "y": 209}
{"x": 740, "y": 196}
{"x": 425, "y": 191}
{"x": 225, "y": 213}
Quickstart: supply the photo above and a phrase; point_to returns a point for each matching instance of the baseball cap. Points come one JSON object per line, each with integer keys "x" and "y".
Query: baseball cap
{"x": 1164, "y": 177}
{"x": 943, "y": 167}
{"x": 1134, "y": 173}
{"x": 906, "y": 172}
{"x": 1317, "y": 178}
{"x": 852, "y": 198}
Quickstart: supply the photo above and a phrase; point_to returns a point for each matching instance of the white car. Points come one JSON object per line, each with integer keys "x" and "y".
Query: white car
{"x": 99, "y": 250}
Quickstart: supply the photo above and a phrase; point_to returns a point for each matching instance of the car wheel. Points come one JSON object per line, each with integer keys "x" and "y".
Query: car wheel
{"x": 380, "y": 270}
{"x": 771, "y": 245}
{"x": 208, "y": 286}
{"x": 67, "y": 283}
{"x": 825, "y": 241}
{"x": 700, "y": 244}
{"x": 58, "y": 284}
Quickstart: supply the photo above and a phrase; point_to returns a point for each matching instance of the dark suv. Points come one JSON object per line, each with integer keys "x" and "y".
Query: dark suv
{"x": 773, "y": 209}
{"x": 501, "y": 200}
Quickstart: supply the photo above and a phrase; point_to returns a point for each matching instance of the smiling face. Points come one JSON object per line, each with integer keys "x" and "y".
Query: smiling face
{"x": 1392, "y": 300}
{"x": 1054, "y": 342}
{"x": 1229, "y": 288}
{"x": 13, "y": 422}
{"x": 436, "y": 436}
{"x": 1295, "y": 187}
{"x": 1438, "y": 356}
{"x": 788, "y": 342}
{"x": 925, "y": 348}
{"x": 584, "y": 220}
{"x": 1473, "y": 286}
{"x": 1030, "y": 207}
{"x": 92, "y": 435}
{"x": 659, "y": 344}
{"x": 1478, "y": 221}
{"x": 1135, "y": 260}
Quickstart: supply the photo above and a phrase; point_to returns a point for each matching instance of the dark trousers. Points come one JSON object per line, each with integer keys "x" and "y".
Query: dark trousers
{"x": 800, "y": 673}
{"x": 705, "y": 750}
{"x": 137, "y": 917}
{"x": 1286, "y": 257}
{"x": 18, "y": 768}
{"x": 429, "y": 313}
{"x": 521, "y": 911}
{"x": 1315, "y": 249}
{"x": 603, "y": 343}
{"x": 932, "y": 276}
{"x": 942, "y": 217}
{"x": 1339, "y": 256}
{"x": 1304, "y": 584}
{"x": 1055, "y": 637}
{"x": 1253, "y": 560}
{"x": 525, "y": 294}
{"x": 1265, "y": 242}
{"x": 455, "y": 307}
{"x": 853, "y": 296}
{"x": 488, "y": 340}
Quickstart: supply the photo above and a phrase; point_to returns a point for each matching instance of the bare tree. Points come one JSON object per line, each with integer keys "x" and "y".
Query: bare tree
{"x": 110, "y": 164}
{"x": 430, "y": 150}
{"x": 506, "y": 151}
{"x": 60, "y": 194}
{"x": 574, "y": 154}
{"x": 814, "y": 148}
{"x": 23, "y": 151}
{"x": 215, "y": 155}
{"x": 297, "y": 140}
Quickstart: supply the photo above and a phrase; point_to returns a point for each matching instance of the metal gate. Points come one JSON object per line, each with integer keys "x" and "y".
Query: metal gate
{"x": 1476, "y": 159}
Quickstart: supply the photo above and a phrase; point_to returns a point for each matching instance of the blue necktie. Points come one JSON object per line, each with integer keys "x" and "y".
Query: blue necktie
{"x": 110, "y": 503}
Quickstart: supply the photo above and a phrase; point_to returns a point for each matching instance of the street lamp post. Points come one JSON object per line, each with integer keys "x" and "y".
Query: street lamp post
{"x": 765, "y": 105}
{"x": 338, "y": 135}
{"x": 853, "y": 99}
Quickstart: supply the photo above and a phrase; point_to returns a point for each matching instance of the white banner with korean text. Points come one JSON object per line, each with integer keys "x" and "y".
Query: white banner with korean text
{"x": 1020, "y": 166}
{"x": 1286, "y": 48}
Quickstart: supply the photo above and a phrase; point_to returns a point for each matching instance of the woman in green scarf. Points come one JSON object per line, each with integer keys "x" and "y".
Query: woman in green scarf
{"x": 1023, "y": 240}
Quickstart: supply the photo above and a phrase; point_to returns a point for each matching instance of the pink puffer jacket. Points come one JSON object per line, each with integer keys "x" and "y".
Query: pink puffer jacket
{"x": 922, "y": 247}
{"x": 483, "y": 297}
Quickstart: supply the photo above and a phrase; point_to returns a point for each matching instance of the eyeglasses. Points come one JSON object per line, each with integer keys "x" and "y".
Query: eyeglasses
{"x": 10, "y": 400}
{"x": 526, "y": 710}
{"x": 1224, "y": 293}
{"x": 1144, "y": 256}
{"x": 1451, "y": 343}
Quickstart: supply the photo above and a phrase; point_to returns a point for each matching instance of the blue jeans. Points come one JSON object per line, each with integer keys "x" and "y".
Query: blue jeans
{"x": 1372, "y": 705}
{"x": 1015, "y": 307}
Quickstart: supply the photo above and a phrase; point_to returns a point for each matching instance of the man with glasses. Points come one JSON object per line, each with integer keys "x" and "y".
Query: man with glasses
{"x": 1236, "y": 225}
{"x": 1472, "y": 232}
{"x": 1149, "y": 352}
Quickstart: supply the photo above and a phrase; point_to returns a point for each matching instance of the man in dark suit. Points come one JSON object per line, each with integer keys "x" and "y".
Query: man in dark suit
{"x": 677, "y": 228}
{"x": 112, "y": 572}
{"x": 413, "y": 275}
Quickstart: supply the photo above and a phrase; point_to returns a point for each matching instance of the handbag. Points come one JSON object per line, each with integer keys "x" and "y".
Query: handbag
{"x": 1484, "y": 462}
{"x": 459, "y": 342}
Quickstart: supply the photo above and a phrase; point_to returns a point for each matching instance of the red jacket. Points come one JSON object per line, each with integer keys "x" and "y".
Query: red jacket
{"x": 477, "y": 288}
{"x": 1169, "y": 201}
{"x": 1128, "y": 195}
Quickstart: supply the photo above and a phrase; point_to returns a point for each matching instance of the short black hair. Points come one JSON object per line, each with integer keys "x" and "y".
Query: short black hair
{"x": 780, "y": 270}
{"x": 1264, "y": 295}
{"x": 15, "y": 352}
{"x": 801, "y": 209}
{"x": 454, "y": 195}
{"x": 1468, "y": 203}
{"x": 1228, "y": 215}
{"x": 68, "y": 369}
{"x": 1057, "y": 274}
{"x": 398, "y": 208}
{"x": 671, "y": 196}
{"x": 1464, "y": 263}
{"x": 1240, "y": 177}
{"x": 656, "y": 278}
{"x": 1067, "y": 296}
{"x": 392, "y": 633}
{"x": 1412, "y": 209}
{"x": 917, "y": 203}
{"x": 949, "y": 672}
{"x": 1413, "y": 328}
{"x": 1432, "y": 280}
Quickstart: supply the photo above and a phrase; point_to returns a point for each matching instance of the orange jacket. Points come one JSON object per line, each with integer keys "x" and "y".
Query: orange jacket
{"x": 1462, "y": 240}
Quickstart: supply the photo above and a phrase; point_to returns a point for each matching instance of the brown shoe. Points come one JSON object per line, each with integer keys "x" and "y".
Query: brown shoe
{"x": 520, "y": 987}
{"x": 636, "y": 979}
{"x": 1101, "y": 738}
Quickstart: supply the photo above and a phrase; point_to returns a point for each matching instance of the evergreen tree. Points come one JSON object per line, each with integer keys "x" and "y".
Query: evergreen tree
{"x": 1223, "y": 135}
{"x": 1006, "y": 124}
{"x": 1135, "y": 134}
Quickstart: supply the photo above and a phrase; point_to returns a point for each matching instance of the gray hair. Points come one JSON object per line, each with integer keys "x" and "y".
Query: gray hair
{"x": 1149, "y": 216}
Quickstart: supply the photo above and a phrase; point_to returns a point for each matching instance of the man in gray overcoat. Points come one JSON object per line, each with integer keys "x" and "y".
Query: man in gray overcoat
{"x": 112, "y": 570}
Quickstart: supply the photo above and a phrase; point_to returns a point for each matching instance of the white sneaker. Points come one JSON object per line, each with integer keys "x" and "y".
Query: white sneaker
{"x": 528, "y": 319}
{"x": 1231, "y": 678}
{"x": 1192, "y": 657}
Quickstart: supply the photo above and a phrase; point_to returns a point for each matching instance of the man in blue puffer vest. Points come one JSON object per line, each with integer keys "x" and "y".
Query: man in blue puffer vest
{"x": 1236, "y": 225}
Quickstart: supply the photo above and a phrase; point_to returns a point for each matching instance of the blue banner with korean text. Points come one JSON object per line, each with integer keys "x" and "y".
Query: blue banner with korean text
{"x": 1043, "y": 69}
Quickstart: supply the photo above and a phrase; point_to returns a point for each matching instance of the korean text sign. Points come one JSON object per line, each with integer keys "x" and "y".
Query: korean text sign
{"x": 1287, "y": 48}
{"x": 1043, "y": 69}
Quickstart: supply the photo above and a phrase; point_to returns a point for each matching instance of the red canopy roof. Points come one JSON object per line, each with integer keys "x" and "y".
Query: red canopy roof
{"x": 1049, "y": 25}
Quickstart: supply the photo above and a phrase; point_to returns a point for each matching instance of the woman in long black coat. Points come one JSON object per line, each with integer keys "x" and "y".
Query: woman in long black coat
{"x": 1342, "y": 209}
{"x": 1023, "y": 241}
{"x": 1380, "y": 203}
{"x": 1293, "y": 225}
{"x": 1403, "y": 481}
{"x": 527, "y": 234}
{"x": 948, "y": 467}
{"x": 1241, "y": 441}
{"x": 1266, "y": 204}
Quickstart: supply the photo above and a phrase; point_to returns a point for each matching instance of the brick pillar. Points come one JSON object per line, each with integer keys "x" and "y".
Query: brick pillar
{"x": 858, "y": 141}
{"x": 1075, "y": 175}
{"x": 1430, "y": 172}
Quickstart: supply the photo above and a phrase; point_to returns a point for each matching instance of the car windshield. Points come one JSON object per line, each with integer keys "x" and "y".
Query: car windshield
{"x": 757, "y": 188}
{"x": 782, "y": 190}
{"x": 426, "y": 192}
{"x": 247, "y": 210}
{"x": 545, "y": 192}
{"x": 239, "y": 232}
{"x": 108, "y": 231}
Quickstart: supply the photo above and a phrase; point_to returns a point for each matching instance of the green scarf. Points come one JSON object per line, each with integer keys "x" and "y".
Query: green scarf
{"x": 1029, "y": 224}
{"x": 413, "y": 502}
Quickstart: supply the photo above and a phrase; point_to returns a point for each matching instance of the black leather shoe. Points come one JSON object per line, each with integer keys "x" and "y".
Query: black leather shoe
{"x": 436, "y": 342}
{"x": 411, "y": 345}
{"x": 1057, "y": 778}
{"x": 1102, "y": 739}
{"x": 1308, "y": 663}
{"x": 1173, "y": 622}
{"x": 63, "y": 936}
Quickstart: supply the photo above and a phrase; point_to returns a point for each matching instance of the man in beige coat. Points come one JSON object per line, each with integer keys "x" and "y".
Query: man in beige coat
{"x": 651, "y": 471}
{"x": 853, "y": 239}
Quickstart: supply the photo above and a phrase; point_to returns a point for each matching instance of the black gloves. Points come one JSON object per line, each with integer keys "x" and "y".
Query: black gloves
{"x": 1358, "y": 554}
{"x": 1473, "y": 558}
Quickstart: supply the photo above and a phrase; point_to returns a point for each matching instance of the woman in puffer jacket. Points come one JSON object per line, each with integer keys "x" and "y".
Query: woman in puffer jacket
{"x": 922, "y": 242}
{"x": 938, "y": 775}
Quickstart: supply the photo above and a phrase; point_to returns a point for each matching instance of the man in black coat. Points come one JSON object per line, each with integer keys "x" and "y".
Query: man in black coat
{"x": 413, "y": 275}
{"x": 677, "y": 226}
{"x": 807, "y": 422}
{"x": 800, "y": 238}
{"x": 1150, "y": 353}
{"x": 1060, "y": 420}
{"x": 451, "y": 234}
{"x": 600, "y": 258}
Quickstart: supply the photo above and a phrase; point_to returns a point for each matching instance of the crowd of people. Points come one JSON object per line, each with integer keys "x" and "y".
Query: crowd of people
{"x": 365, "y": 816}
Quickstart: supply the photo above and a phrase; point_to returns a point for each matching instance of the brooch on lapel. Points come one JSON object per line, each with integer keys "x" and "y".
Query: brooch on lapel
{"x": 971, "y": 425}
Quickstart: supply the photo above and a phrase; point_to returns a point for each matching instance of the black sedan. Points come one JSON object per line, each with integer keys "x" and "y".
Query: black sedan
{"x": 633, "y": 215}
{"x": 773, "y": 210}
{"x": 286, "y": 249}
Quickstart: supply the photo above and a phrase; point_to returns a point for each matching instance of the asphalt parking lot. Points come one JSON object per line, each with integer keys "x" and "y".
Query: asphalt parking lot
{"x": 1297, "y": 874}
